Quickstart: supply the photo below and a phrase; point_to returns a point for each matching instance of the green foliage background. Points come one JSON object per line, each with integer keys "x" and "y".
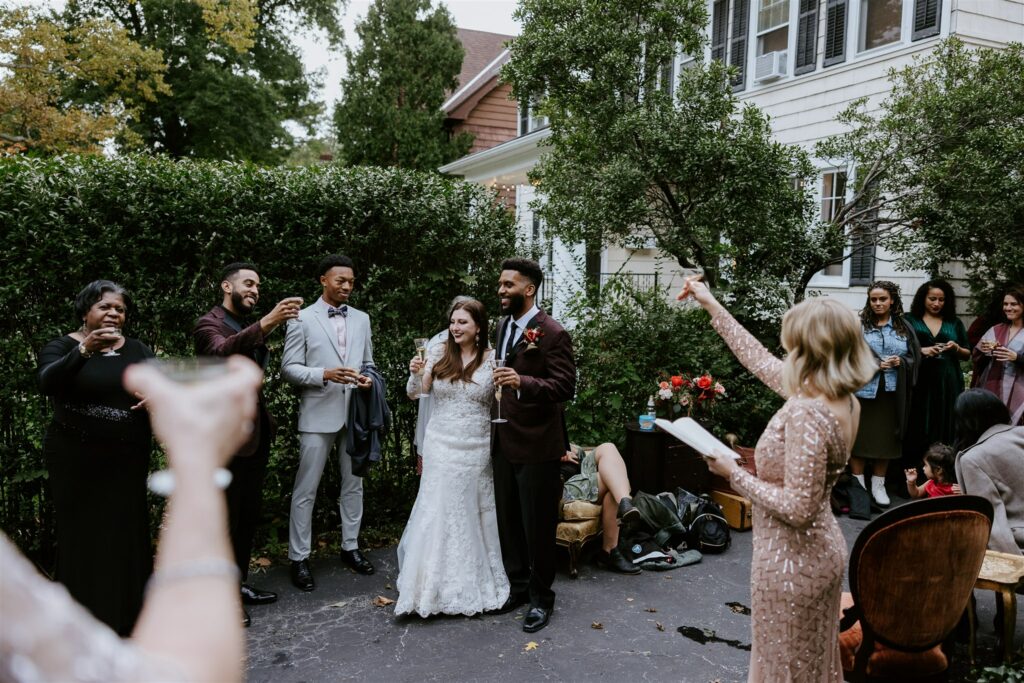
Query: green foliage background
{"x": 625, "y": 340}
{"x": 164, "y": 228}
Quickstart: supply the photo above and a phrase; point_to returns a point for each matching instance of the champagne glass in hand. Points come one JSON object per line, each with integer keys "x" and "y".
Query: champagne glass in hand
{"x": 116, "y": 333}
{"x": 495, "y": 364}
{"x": 421, "y": 351}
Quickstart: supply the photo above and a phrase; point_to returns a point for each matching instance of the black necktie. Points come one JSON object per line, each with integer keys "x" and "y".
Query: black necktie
{"x": 510, "y": 335}
{"x": 340, "y": 310}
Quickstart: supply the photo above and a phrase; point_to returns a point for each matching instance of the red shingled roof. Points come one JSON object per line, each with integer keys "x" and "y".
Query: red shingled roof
{"x": 481, "y": 48}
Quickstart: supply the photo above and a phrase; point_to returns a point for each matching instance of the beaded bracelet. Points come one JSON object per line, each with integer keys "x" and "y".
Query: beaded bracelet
{"x": 195, "y": 569}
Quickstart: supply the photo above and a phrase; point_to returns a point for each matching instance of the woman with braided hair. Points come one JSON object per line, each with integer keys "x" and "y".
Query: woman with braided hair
{"x": 885, "y": 399}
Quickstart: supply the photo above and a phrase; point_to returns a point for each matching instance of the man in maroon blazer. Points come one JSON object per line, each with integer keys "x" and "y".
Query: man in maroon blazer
{"x": 538, "y": 377}
{"x": 225, "y": 331}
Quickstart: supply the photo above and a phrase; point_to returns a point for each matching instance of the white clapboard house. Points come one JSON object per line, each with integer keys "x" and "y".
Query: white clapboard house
{"x": 802, "y": 62}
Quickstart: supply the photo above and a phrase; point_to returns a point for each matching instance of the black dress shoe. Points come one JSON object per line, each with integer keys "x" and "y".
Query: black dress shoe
{"x": 254, "y": 596}
{"x": 536, "y": 619}
{"x": 510, "y": 604}
{"x": 356, "y": 560}
{"x": 246, "y": 619}
{"x": 616, "y": 562}
{"x": 302, "y": 576}
{"x": 629, "y": 516}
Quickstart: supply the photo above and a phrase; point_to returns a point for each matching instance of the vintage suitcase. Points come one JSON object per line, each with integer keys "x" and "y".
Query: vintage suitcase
{"x": 737, "y": 510}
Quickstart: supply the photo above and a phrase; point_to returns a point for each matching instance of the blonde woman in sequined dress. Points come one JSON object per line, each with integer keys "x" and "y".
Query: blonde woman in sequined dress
{"x": 799, "y": 552}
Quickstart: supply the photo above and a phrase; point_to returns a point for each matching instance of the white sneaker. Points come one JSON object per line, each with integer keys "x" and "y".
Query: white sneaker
{"x": 878, "y": 492}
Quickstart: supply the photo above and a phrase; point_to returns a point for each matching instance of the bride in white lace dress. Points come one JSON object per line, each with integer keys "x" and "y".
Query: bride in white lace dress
{"x": 449, "y": 558}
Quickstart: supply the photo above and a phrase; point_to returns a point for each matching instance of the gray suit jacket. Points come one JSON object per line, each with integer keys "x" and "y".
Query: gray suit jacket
{"x": 310, "y": 346}
{"x": 994, "y": 469}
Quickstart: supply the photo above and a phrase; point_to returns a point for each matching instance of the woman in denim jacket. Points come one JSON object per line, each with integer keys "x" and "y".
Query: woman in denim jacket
{"x": 885, "y": 400}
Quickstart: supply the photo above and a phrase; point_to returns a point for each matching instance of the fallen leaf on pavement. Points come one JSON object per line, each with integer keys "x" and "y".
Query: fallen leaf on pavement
{"x": 597, "y": 624}
{"x": 381, "y": 601}
{"x": 340, "y": 604}
{"x": 651, "y": 609}
{"x": 263, "y": 562}
{"x": 660, "y": 627}
{"x": 530, "y": 646}
{"x": 629, "y": 599}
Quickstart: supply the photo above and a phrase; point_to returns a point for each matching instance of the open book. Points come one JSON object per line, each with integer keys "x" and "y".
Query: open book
{"x": 696, "y": 437}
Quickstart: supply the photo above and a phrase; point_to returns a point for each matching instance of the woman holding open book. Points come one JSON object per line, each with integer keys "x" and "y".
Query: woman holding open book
{"x": 799, "y": 551}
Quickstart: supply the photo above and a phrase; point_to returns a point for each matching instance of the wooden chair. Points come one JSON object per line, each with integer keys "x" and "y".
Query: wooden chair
{"x": 578, "y": 523}
{"x": 912, "y": 573}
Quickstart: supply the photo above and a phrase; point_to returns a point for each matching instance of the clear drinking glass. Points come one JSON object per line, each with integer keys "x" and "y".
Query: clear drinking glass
{"x": 109, "y": 351}
{"x": 187, "y": 371}
{"x": 421, "y": 351}
{"x": 498, "y": 363}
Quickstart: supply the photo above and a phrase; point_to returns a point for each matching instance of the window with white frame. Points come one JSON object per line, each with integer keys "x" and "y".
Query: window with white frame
{"x": 833, "y": 198}
{"x": 772, "y": 26}
{"x": 881, "y": 23}
{"x": 529, "y": 119}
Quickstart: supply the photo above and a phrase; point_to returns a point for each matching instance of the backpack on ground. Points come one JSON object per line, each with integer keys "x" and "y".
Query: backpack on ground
{"x": 706, "y": 528}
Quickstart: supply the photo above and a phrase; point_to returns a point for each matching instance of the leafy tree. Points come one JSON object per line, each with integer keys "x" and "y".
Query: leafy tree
{"x": 390, "y": 111}
{"x": 46, "y": 69}
{"x": 634, "y": 153}
{"x": 235, "y": 74}
{"x": 940, "y": 165}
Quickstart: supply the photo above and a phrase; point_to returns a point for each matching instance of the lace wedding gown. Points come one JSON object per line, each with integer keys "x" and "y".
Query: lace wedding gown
{"x": 449, "y": 558}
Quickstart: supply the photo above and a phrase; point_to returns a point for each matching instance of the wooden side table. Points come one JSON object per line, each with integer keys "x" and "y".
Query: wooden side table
{"x": 1004, "y": 574}
{"x": 657, "y": 462}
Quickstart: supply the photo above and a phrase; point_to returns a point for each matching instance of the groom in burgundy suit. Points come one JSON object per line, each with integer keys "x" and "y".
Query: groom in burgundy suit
{"x": 538, "y": 377}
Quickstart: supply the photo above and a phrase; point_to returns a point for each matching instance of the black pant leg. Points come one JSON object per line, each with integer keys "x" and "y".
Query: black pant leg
{"x": 514, "y": 554}
{"x": 540, "y": 492}
{"x": 244, "y": 502}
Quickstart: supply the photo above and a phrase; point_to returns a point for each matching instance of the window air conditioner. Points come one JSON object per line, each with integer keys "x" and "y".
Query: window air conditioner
{"x": 770, "y": 66}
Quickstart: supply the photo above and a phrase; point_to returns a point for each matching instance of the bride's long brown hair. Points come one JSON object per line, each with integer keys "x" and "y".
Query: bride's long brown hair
{"x": 450, "y": 365}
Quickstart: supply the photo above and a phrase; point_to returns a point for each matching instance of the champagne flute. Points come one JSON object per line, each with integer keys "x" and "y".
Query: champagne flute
{"x": 421, "y": 351}
{"x": 495, "y": 364}
{"x": 109, "y": 351}
{"x": 187, "y": 371}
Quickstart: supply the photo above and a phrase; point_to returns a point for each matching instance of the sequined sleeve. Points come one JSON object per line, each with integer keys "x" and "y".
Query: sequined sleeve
{"x": 46, "y": 636}
{"x": 798, "y": 500}
{"x": 749, "y": 351}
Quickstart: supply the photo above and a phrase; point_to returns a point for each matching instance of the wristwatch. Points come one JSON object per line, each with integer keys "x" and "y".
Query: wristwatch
{"x": 86, "y": 353}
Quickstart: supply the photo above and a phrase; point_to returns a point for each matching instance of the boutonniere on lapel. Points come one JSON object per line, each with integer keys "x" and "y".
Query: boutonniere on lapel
{"x": 532, "y": 335}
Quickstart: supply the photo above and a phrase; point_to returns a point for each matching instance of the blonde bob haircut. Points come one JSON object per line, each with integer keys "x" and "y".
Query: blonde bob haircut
{"x": 826, "y": 350}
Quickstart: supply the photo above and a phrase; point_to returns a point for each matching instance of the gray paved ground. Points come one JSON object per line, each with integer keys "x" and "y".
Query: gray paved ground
{"x": 336, "y": 633}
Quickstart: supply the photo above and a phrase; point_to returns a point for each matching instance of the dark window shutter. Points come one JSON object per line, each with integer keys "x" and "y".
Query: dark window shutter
{"x": 926, "y": 18}
{"x": 719, "y": 22}
{"x": 835, "y": 32}
{"x": 807, "y": 37}
{"x": 524, "y": 117}
{"x": 738, "y": 42}
{"x": 862, "y": 257}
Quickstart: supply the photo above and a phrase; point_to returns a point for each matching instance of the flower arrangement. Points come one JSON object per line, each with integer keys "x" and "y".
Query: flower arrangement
{"x": 532, "y": 336}
{"x": 687, "y": 394}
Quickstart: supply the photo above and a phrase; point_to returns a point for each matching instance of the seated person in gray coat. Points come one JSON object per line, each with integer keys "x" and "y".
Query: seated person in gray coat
{"x": 990, "y": 463}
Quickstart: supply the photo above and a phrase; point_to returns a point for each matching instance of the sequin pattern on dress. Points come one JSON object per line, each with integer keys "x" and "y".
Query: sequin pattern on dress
{"x": 799, "y": 551}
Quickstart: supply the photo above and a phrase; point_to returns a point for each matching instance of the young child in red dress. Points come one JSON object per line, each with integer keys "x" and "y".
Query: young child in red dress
{"x": 939, "y": 467}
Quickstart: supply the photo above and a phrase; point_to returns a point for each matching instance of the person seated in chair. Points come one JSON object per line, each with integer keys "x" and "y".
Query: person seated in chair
{"x": 990, "y": 464}
{"x": 599, "y": 476}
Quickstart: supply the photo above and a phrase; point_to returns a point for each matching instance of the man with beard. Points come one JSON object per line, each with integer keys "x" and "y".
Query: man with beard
{"x": 224, "y": 331}
{"x": 539, "y": 376}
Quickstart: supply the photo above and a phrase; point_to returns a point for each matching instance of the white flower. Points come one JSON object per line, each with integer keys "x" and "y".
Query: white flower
{"x": 719, "y": 389}
{"x": 684, "y": 400}
{"x": 665, "y": 394}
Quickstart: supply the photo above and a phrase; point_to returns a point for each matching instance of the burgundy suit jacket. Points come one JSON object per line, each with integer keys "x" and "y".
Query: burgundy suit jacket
{"x": 535, "y": 431}
{"x": 214, "y": 335}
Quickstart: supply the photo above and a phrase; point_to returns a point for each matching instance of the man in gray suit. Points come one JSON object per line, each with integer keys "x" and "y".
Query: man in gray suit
{"x": 324, "y": 353}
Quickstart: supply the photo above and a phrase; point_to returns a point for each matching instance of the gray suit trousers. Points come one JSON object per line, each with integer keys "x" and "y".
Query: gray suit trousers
{"x": 314, "y": 448}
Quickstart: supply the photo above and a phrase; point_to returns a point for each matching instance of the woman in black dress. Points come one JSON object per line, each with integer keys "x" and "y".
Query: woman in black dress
{"x": 97, "y": 450}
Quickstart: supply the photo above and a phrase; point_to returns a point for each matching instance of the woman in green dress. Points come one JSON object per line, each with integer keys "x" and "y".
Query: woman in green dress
{"x": 943, "y": 342}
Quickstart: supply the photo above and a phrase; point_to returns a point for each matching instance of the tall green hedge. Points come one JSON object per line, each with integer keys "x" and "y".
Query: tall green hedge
{"x": 163, "y": 229}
